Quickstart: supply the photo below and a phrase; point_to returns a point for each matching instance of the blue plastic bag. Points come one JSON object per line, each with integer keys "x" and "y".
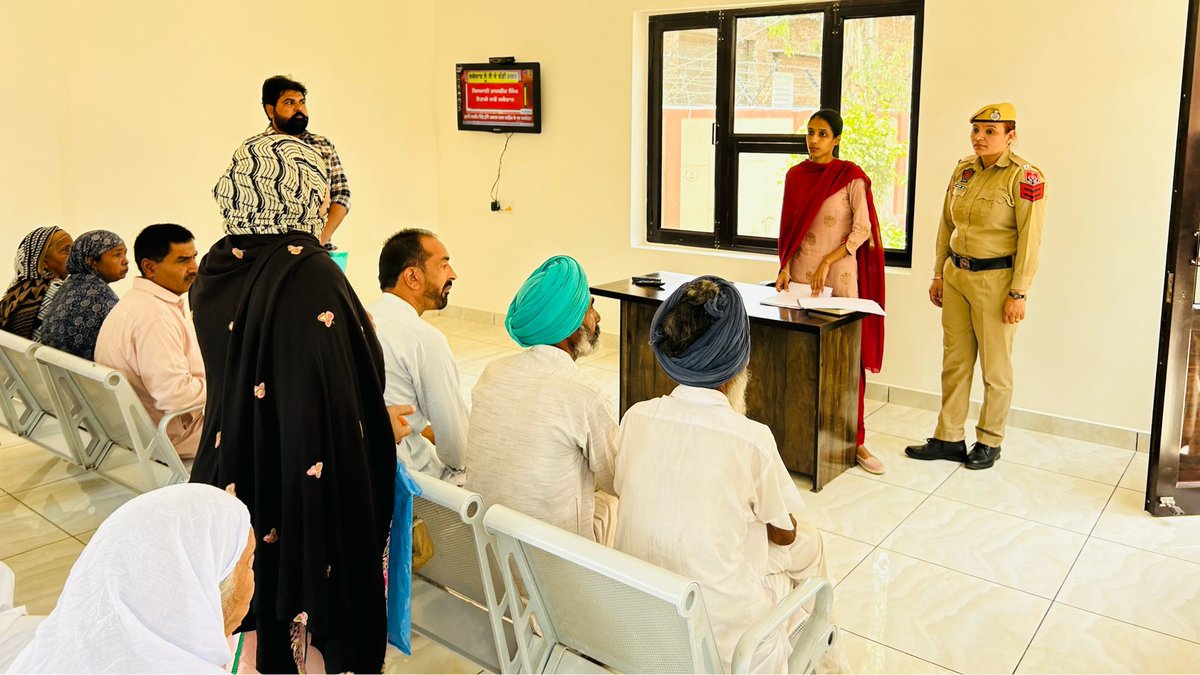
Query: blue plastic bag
{"x": 399, "y": 580}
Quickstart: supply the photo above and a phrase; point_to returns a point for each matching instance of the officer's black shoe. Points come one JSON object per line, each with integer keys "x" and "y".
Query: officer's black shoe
{"x": 935, "y": 448}
{"x": 982, "y": 456}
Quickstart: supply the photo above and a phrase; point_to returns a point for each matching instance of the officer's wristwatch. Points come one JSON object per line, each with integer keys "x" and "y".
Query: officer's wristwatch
{"x": 1016, "y": 296}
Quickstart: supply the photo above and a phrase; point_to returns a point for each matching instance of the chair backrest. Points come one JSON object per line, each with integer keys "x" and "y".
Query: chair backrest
{"x": 22, "y": 384}
{"x": 465, "y": 561}
{"x": 140, "y": 456}
{"x": 610, "y": 607}
{"x": 32, "y": 406}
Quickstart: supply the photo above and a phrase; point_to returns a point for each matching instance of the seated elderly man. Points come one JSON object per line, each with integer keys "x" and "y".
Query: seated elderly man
{"x": 543, "y": 434}
{"x": 703, "y": 490}
{"x": 415, "y": 275}
{"x": 149, "y": 334}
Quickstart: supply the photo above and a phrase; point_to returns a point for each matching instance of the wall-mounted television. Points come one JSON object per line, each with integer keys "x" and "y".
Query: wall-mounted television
{"x": 499, "y": 97}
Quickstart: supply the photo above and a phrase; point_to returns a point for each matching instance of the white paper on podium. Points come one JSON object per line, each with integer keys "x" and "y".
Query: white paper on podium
{"x": 792, "y": 296}
{"x": 852, "y": 304}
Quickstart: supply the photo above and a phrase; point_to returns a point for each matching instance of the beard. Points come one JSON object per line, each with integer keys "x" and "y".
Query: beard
{"x": 735, "y": 391}
{"x": 439, "y": 298}
{"x": 294, "y": 125}
{"x": 584, "y": 342}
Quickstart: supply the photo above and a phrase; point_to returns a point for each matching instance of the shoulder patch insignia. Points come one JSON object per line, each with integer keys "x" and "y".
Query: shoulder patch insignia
{"x": 1031, "y": 192}
{"x": 1032, "y": 177}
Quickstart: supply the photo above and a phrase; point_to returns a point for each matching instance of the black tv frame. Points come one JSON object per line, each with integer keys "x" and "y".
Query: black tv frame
{"x": 535, "y": 66}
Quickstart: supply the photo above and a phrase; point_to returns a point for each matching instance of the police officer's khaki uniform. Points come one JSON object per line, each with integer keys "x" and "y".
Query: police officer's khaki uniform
{"x": 988, "y": 213}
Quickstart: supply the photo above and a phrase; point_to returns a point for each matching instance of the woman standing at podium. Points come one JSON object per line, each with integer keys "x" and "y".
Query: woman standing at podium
{"x": 828, "y": 217}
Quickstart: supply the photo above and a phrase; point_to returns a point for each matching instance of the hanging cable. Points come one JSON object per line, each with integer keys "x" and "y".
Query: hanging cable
{"x": 499, "y": 166}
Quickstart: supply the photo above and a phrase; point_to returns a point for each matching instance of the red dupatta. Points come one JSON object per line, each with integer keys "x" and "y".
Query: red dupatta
{"x": 805, "y": 189}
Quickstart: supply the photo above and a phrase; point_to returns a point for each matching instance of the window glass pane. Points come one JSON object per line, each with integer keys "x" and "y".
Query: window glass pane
{"x": 877, "y": 75}
{"x": 760, "y": 191}
{"x": 689, "y": 108}
{"x": 777, "y": 83}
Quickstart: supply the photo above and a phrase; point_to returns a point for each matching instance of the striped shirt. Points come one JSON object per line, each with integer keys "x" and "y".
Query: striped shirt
{"x": 339, "y": 187}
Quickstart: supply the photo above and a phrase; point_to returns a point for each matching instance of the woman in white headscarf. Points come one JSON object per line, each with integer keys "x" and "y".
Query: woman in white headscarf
{"x": 158, "y": 589}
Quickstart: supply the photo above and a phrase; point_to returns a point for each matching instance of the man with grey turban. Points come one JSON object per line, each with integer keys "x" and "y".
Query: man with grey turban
{"x": 542, "y": 433}
{"x": 703, "y": 490}
{"x": 295, "y": 422}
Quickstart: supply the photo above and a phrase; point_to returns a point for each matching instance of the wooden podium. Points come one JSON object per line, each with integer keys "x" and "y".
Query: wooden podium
{"x": 804, "y": 370}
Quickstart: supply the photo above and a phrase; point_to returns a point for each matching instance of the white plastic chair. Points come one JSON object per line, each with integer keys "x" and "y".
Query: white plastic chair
{"x": 458, "y": 597}
{"x": 810, "y": 640}
{"x": 30, "y": 406}
{"x": 100, "y": 401}
{"x": 594, "y": 609}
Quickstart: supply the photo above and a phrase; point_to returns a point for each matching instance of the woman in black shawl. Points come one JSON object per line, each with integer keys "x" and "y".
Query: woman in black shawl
{"x": 41, "y": 267}
{"x": 295, "y": 424}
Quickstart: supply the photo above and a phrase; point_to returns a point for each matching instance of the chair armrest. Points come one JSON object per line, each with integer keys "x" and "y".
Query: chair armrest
{"x": 805, "y": 642}
{"x": 170, "y": 417}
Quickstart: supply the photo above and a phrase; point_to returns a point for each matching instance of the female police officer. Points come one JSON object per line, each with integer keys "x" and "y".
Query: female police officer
{"x": 986, "y": 256}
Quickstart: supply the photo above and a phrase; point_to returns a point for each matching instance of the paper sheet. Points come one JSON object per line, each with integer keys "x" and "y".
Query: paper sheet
{"x": 854, "y": 304}
{"x": 792, "y": 296}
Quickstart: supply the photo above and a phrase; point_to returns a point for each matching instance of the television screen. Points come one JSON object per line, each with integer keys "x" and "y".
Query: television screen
{"x": 499, "y": 97}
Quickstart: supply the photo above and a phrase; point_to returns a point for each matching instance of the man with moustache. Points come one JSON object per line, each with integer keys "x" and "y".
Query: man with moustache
{"x": 149, "y": 335}
{"x": 283, "y": 100}
{"x": 543, "y": 434}
{"x": 703, "y": 490}
{"x": 415, "y": 275}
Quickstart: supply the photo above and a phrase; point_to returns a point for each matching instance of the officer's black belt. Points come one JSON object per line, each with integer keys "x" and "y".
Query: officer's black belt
{"x": 981, "y": 264}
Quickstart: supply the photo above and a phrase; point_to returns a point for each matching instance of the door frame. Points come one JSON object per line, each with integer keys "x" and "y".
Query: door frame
{"x": 1178, "y": 315}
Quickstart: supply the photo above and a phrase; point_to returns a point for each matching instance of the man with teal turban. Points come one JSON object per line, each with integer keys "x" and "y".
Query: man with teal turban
{"x": 543, "y": 435}
{"x": 551, "y": 304}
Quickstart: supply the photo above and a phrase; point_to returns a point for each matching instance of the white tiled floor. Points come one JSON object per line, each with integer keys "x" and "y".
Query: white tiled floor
{"x": 1045, "y": 563}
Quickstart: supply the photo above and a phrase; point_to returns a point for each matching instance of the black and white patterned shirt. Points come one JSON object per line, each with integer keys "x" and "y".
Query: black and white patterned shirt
{"x": 339, "y": 187}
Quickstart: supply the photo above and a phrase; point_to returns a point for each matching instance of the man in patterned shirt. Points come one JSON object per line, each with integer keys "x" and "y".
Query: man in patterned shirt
{"x": 283, "y": 100}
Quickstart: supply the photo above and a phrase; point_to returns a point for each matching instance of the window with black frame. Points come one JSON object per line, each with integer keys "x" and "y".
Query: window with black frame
{"x": 730, "y": 96}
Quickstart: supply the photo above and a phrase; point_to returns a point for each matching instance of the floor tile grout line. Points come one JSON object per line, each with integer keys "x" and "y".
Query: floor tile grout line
{"x": 968, "y": 574}
{"x": 919, "y": 658}
{"x": 42, "y": 485}
{"x": 1033, "y": 636}
{"x": 1055, "y": 600}
{"x": 39, "y": 513}
{"x": 38, "y": 548}
{"x": 1057, "y": 527}
{"x": 47, "y": 518}
{"x": 1140, "y": 548}
{"x": 67, "y": 536}
{"x": 1127, "y": 623}
{"x": 1013, "y": 515}
{"x": 1090, "y": 534}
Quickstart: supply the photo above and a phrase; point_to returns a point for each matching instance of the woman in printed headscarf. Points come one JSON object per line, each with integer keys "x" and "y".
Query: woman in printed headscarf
{"x": 41, "y": 267}
{"x": 76, "y": 312}
{"x": 295, "y": 423}
{"x": 158, "y": 588}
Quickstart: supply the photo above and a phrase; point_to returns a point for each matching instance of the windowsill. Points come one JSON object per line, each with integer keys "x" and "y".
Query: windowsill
{"x": 734, "y": 255}
{"x": 706, "y": 252}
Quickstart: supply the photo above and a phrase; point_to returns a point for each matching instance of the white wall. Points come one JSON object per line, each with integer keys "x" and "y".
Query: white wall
{"x": 147, "y": 101}
{"x": 1096, "y": 85}
{"x": 29, "y": 168}
{"x": 121, "y": 113}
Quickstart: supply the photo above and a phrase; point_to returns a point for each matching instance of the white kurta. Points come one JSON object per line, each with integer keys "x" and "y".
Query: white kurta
{"x": 421, "y": 372}
{"x": 698, "y": 484}
{"x": 543, "y": 436}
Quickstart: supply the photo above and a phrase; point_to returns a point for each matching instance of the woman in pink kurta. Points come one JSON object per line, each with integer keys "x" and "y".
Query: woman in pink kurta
{"x": 842, "y": 221}
{"x": 827, "y": 216}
